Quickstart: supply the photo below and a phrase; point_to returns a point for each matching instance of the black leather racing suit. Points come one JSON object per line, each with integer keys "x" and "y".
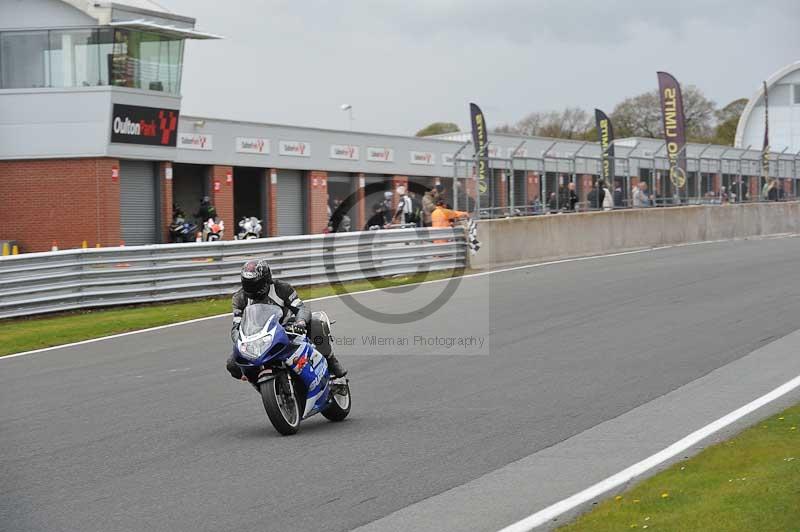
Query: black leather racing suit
{"x": 281, "y": 294}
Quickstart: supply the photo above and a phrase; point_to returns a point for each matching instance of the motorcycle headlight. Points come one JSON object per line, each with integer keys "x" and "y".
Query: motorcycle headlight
{"x": 252, "y": 349}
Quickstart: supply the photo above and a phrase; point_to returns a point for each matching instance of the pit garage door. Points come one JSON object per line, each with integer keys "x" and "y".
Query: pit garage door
{"x": 291, "y": 204}
{"x": 138, "y": 206}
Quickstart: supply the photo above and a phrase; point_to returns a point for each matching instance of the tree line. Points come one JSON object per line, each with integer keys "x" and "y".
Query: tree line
{"x": 637, "y": 116}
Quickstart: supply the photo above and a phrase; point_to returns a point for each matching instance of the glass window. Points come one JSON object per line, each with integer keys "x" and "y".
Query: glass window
{"x": 797, "y": 93}
{"x": 24, "y": 59}
{"x": 147, "y": 60}
{"x": 74, "y": 58}
{"x": 90, "y": 57}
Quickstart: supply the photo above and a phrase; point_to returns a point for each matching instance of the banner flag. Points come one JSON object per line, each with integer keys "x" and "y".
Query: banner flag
{"x": 605, "y": 131}
{"x": 765, "y": 147}
{"x": 674, "y": 127}
{"x": 480, "y": 139}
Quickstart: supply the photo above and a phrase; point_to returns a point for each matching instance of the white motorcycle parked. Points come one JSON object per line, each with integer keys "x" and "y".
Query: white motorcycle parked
{"x": 249, "y": 228}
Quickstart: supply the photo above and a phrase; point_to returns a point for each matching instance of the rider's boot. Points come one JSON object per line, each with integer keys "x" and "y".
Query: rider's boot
{"x": 335, "y": 367}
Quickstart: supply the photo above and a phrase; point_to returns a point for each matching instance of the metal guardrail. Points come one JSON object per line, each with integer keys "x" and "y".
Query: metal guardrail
{"x": 38, "y": 283}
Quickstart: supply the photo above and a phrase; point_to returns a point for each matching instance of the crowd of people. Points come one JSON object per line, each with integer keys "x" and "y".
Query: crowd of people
{"x": 399, "y": 209}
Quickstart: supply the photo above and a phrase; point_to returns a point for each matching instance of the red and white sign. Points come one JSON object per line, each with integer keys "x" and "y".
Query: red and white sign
{"x": 115, "y": 174}
{"x": 447, "y": 159}
{"x": 217, "y": 186}
{"x": 344, "y": 151}
{"x": 194, "y": 141}
{"x": 229, "y": 178}
{"x": 294, "y": 148}
{"x": 380, "y": 155}
{"x": 422, "y": 157}
{"x": 255, "y": 145}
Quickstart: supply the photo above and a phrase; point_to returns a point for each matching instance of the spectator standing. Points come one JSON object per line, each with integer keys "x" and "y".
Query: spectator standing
{"x": 608, "y": 199}
{"x": 206, "y": 211}
{"x": 428, "y": 205}
{"x": 592, "y": 197}
{"x": 572, "y": 196}
{"x": 404, "y": 212}
{"x": 619, "y": 195}
{"x": 376, "y": 220}
{"x": 640, "y": 197}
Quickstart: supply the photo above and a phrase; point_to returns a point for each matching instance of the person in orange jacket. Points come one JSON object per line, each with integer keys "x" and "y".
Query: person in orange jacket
{"x": 443, "y": 217}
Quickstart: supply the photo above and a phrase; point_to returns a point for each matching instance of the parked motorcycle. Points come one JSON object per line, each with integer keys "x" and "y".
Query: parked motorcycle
{"x": 249, "y": 228}
{"x": 182, "y": 230}
{"x": 289, "y": 373}
{"x": 212, "y": 231}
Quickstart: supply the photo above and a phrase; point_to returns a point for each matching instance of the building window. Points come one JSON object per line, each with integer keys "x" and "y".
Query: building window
{"x": 23, "y": 59}
{"x": 146, "y": 60}
{"x": 796, "y": 90}
{"x": 90, "y": 57}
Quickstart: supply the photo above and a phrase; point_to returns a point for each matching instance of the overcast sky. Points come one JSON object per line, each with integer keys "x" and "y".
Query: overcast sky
{"x": 405, "y": 63}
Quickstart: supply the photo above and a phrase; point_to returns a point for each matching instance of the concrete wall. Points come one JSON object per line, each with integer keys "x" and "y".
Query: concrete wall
{"x": 531, "y": 239}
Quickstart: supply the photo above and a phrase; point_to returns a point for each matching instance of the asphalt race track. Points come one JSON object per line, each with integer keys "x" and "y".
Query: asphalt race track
{"x": 148, "y": 432}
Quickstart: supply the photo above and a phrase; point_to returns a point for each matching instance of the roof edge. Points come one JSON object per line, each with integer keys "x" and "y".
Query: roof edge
{"x": 751, "y": 103}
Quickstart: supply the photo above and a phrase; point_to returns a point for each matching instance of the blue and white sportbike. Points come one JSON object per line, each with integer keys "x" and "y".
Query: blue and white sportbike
{"x": 291, "y": 375}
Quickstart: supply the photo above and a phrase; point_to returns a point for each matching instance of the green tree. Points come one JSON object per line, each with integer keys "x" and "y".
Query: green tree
{"x": 640, "y": 116}
{"x": 570, "y": 123}
{"x": 727, "y": 121}
{"x": 438, "y": 128}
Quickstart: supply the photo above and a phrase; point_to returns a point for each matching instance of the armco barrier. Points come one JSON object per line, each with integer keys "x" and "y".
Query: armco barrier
{"x": 511, "y": 241}
{"x": 37, "y": 283}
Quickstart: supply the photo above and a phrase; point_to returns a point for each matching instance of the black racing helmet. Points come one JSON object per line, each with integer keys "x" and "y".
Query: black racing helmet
{"x": 256, "y": 278}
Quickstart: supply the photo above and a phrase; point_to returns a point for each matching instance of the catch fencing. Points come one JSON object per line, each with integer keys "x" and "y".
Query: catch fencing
{"x": 38, "y": 283}
{"x": 533, "y": 178}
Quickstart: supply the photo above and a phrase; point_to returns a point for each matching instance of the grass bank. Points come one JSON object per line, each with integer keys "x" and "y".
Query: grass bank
{"x": 746, "y": 484}
{"x": 25, "y": 334}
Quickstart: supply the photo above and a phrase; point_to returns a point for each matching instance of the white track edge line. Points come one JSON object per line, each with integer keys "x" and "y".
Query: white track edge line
{"x": 553, "y": 511}
{"x": 479, "y": 274}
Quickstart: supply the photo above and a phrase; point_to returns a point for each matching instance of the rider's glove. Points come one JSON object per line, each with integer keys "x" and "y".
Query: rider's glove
{"x": 299, "y": 326}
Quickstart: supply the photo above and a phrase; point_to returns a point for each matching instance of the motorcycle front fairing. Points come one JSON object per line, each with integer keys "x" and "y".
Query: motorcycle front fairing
{"x": 263, "y": 342}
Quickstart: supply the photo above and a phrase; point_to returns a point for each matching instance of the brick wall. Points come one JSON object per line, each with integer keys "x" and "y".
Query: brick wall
{"x": 62, "y": 200}
{"x": 221, "y": 193}
{"x": 272, "y": 202}
{"x": 316, "y": 201}
{"x": 361, "y": 210}
{"x": 165, "y": 189}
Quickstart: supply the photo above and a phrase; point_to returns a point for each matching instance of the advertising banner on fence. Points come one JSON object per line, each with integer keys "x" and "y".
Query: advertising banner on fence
{"x": 480, "y": 138}
{"x": 605, "y": 132}
{"x": 765, "y": 147}
{"x": 674, "y": 127}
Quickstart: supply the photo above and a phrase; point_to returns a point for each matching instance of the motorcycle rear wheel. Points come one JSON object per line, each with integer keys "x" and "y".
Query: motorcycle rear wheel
{"x": 280, "y": 402}
{"x": 339, "y": 407}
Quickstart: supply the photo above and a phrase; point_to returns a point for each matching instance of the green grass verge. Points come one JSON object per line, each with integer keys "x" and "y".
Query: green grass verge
{"x": 750, "y": 483}
{"x": 26, "y": 334}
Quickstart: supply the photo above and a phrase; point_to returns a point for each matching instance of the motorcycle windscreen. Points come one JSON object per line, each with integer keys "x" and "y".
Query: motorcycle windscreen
{"x": 256, "y": 316}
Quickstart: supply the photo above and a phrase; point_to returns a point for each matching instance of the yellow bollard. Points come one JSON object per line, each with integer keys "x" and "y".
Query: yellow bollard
{"x": 15, "y": 250}
{"x": 98, "y": 245}
{"x": 5, "y": 249}
{"x": 84, "y": 244}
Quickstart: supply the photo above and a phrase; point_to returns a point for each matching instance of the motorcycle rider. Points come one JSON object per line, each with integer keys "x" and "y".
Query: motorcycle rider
{"x": 258, "y": 286}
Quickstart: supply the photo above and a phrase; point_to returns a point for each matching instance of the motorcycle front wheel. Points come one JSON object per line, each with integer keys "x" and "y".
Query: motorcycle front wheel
{"x": 281, "y": 404}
